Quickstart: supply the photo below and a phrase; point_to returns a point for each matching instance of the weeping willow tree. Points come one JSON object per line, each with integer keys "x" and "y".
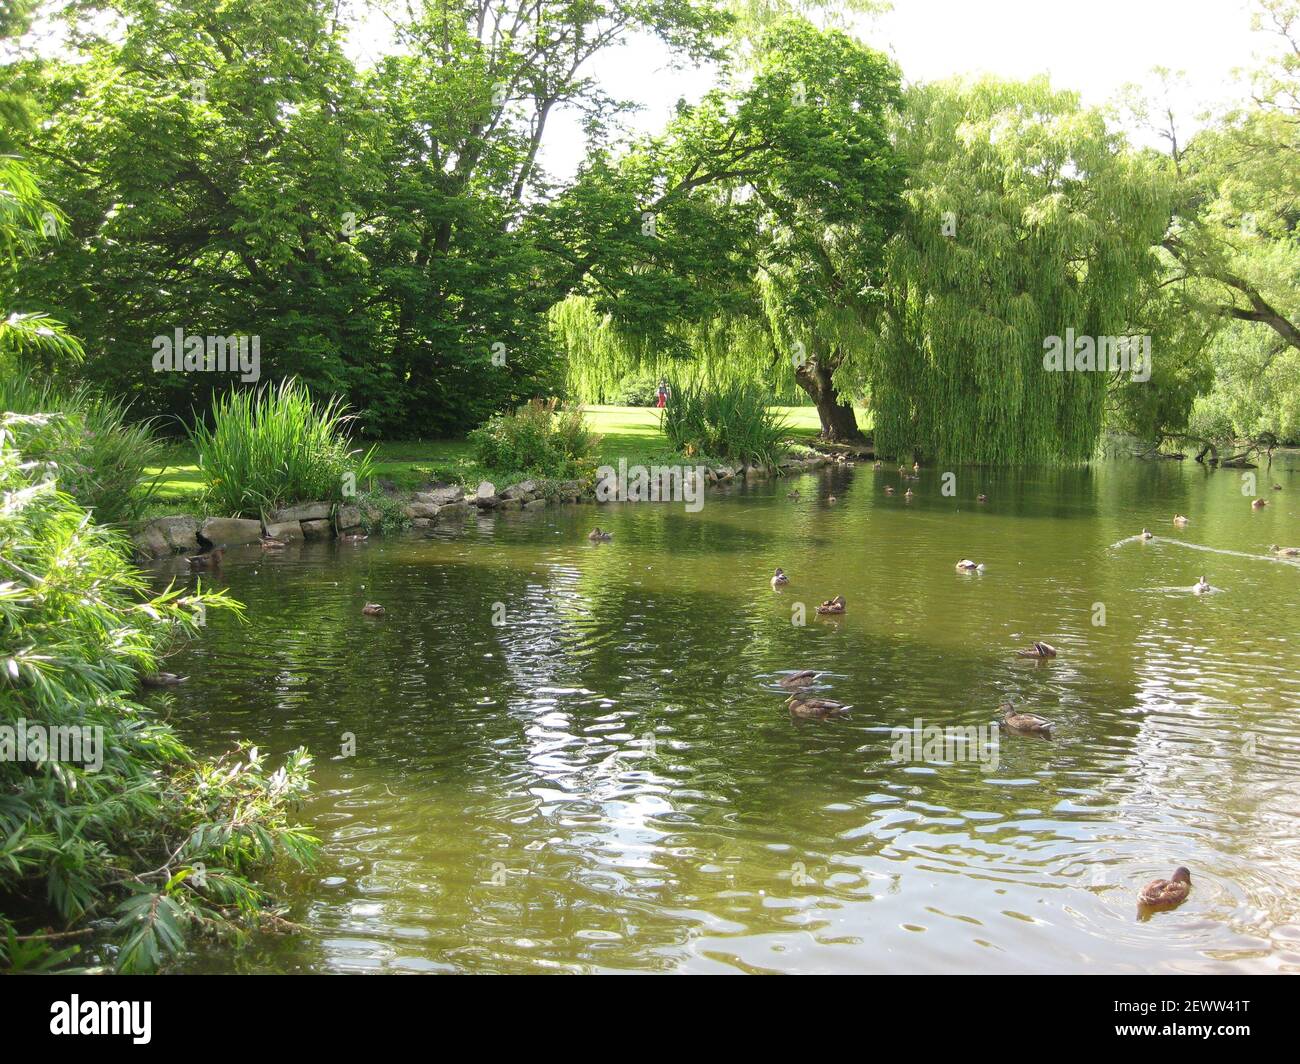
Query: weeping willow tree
{"x": 1026, "y": 218}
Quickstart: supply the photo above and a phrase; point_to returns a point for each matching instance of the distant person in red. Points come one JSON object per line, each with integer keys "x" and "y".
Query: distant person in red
{"x": 663, "y": 394}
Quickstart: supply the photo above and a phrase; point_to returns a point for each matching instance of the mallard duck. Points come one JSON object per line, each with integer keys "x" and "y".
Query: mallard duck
{"x": 981, "y": 498}
{"x": 876, "y": 464}
{"x": 779, "y": 579}
{"x": 1038, "y": 649}
{"x": 1026, "y": 723}
{"x": 354, "y": 537}
{"x": 372, "y": 609}
{"x": 792, "y": 494}
{"x": 209, "y": 559}
{"x": 1259, "y": 504}
{"x": 1147, "y": 535}
{"x": 1277, "y": 487}
{"x": 1201, "y": 587}
{"x": 907, "y": 494}
{"x": 835, "y": 605}
{"x": 889, "y": 489}
{"x": 816, "y": 708}
{"x": 968, "y": 566}
{"x": 1180, "y": 520}
{"x": 1285, "y": 552}
{"x": 902, "y": 471}
{"x": 272, "y": 543}
{"x": 916, "y": 467}
{"x": 832, "y": 499}
{"x": 802, "y": 678}
{"x": 162, "y": 679}
{"x": 599, "y": 535}
{"x": 1167, "y": 893}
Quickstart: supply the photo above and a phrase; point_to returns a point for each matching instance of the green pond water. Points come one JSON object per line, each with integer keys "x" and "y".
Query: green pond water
{"x": 607, "y": 781}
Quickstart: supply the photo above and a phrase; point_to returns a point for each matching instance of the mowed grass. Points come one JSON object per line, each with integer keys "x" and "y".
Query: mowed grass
{"x": 629, "y": 432}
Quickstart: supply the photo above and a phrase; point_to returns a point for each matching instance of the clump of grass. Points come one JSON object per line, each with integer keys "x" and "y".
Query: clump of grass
{"x": 730, "y": 420}
{"x": 537, "y": 439}
{"x": 276, "y": 446}
{"x": 89, "y": 446}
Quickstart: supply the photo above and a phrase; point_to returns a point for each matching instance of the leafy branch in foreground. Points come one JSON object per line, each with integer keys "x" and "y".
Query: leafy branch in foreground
{"x": 115, "y": 839}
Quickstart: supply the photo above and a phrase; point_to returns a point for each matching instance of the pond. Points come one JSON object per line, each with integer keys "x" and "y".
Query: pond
{"x": 572, "y": 756}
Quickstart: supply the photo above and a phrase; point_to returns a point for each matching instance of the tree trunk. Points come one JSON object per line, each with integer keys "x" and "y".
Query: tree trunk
{"x": 839, "y": 425}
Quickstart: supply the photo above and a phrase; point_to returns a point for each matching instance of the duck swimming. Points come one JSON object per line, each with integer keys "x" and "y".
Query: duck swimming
{"x": 372, "y": 609}
{"x": 1259, "y": 504}
{"x": 273, "y": 543}
{"x": 779, "y": 579}
{"x": 968, "y": 566}
{"x": 1180, "y": 520}
{"x": 1285, "y": 552}
{"x": 1038, "y": 650}
{"x": 209, "y": 559}
{"x": 792, "y": 494}
{"x": 889, "y": 489}
{"x": 981, "y": 498}
{"x": 802, "y": 678}
{"x": 162, "y": 679}
{"x": 816, "y": 708}
{"x": 835, "y": 605}
{"x": 1147, "y": 535}
{"x": 1025, "y": 723}
{"x": 1201, "y": 587}
{"x": 907, "y": 494}
{"x": 599, "y": 535}
{"x": 1167, "y": 893}
{"x": 353, "y": 537}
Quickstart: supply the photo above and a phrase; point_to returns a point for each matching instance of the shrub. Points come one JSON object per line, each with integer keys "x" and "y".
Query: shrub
{"x": 731, "y": 420}
{"x": 637, "y": 389}
{"x": 98, "y": 456}
{"x": 274, "y": 446}
{"x": 141, "y": 840}
{"x": 536, "y": 439}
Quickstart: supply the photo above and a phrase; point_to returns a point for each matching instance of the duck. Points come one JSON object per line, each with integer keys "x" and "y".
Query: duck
{"x": 968, "y": 566}
{"x": 779, "y": 579}
{"x": 209, "y": 559}
{"x": 1147, "y": 535}
{"x": 816, "y": 708}
{"x": 907, "y": 494}
{"x": 902, "y": 471}
{"x": 1277, "y": 487}
{"x": 1259, "y": 504}
{"x": 1285, "y": 552}
{"x": 981, "y": 498}
{"x": 162, "y": 679}
{"x": 916, "y": 467}
{"x": 889, "y": 489}
{"x": 802, "y": 678}
{"x": 1038, "y": 649}
{"x": 1025, "y": 723}
{"x": 273, "y": 543}
{"x": 1180, "y": 520}
{"x": 835, "y": 605}
{"x": 372, "y": 609}
{"x": 1201, "y": 587}
{"x": 1167, "y": 893}
{"x": 792, "y": 494}
{"x": 832, "y": 499}
{"x": 877, "y": 464}
{"x": 354, "y": 537}
{"x": 599, "y": 535}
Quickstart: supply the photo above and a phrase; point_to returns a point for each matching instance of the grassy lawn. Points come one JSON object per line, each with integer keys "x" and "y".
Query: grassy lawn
{"x": 629, "y": 432}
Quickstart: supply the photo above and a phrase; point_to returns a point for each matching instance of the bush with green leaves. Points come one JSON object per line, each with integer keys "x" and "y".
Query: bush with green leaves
{"x": 99, "y": 457}
{"x": 731, "y": 419}
{"x": 538, "y": 439}
{"x": 274, "y": 446}
{"x": 117, "y": 844}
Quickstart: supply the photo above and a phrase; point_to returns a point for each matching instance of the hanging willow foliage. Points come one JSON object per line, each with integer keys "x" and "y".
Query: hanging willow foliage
{"x": 723, "y": 349}
{"x": 1026, "y": 218}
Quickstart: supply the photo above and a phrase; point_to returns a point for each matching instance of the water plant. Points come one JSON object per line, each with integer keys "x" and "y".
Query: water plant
{"x": 275, "y": 445}
{"x": 730, "y": 419}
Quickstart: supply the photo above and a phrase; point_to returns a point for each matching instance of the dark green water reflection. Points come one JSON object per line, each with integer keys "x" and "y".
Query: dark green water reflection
{"x": 604, "y": 782}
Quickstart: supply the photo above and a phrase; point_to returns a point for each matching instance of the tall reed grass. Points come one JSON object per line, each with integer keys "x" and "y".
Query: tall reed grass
{"x": 275, "y": 446}
{"x": 730, "y": 419}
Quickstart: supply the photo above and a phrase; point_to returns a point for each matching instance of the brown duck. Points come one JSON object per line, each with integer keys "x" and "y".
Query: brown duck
{"x": 1167, "y": 893}
{"x": 1038, "y": 649}
{"x": 373, "y": 609}
{"x": 1025, "y": 723}
{"x": 209, "y": 559}
{"x": 162, "y": 679}
{"x": 599, "y": 535}
{"x": 835, "y": 605}
{"x": 802, "y": 678}
{"x": 816, "y": 708}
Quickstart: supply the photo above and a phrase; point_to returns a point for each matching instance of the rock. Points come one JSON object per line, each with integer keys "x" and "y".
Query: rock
{"x": 346, "y": 517}
{"x": 441, "y": 496}
{"x": 150, "y": 542}
{"x": 421, "y": 522}
{"x": 425, "y": 510}
{"x": 535, "y": 504}
{"x": 510, "y": 504}
{"x": 230, "y": 531}
{"x": 486, "y": 494}
{"x": 321, "y": 529}
{"x": 284, "y": 530}
{"x": 453, "y": 509}
{"x": 181, "y": 533}
{"x": 522, "y": 490}
{"x": 307, "y": 511}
